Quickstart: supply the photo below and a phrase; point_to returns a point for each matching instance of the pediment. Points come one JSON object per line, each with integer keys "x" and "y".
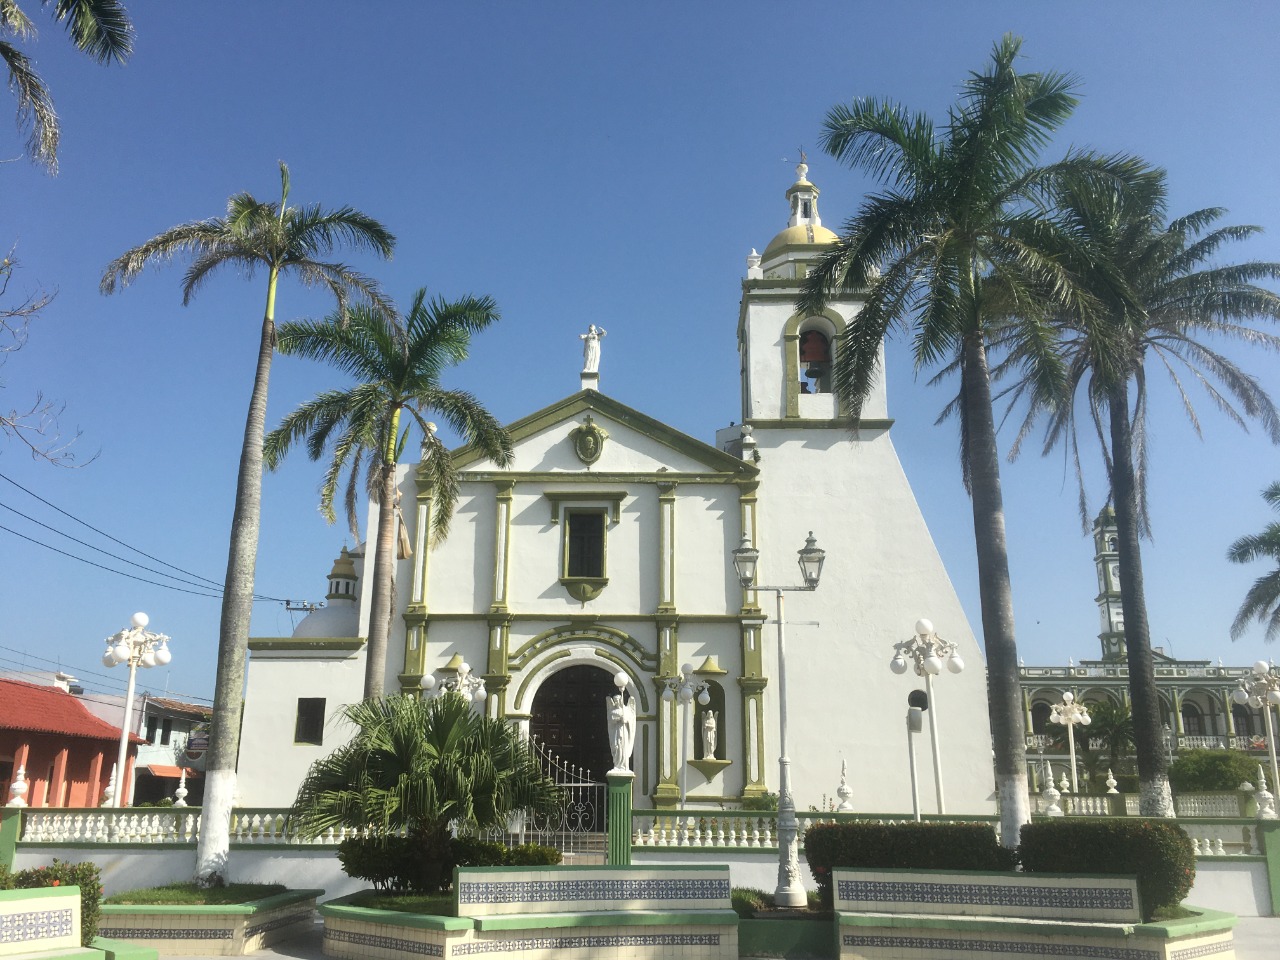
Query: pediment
{"x": 563, "y": 438}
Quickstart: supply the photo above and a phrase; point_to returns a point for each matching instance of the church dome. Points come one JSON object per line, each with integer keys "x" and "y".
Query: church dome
{"x": 341, "y": 616}
{"x": 801, "y": 233}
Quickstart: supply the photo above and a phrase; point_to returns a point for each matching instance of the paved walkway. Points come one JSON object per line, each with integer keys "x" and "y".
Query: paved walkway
{"x": 1257, "y": 938}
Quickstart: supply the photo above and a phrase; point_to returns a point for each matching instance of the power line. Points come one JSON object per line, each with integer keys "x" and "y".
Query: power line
{"x": 212, "y": 584}
{"x": 108, "y": 553}
{"x": 121, "y": 573}
{"x": 98, "y": 678}
{"x": 102, "y": 533}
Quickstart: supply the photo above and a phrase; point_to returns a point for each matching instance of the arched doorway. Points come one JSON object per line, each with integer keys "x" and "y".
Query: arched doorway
{"x": 569, "y": 718}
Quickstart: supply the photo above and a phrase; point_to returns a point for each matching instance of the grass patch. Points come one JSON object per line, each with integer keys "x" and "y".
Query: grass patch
{"x": 436, "y": 906}
{"x": 188, "y": 894}
{"x": 750, "y": 903}
{"x": 746, "y": 901}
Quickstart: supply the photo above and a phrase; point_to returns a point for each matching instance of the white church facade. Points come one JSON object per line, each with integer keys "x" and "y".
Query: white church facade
{"x": 607, "y": 547}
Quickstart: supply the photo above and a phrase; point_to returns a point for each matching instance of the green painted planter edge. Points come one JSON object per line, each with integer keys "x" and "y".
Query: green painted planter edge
{"x": 341, "y": 908}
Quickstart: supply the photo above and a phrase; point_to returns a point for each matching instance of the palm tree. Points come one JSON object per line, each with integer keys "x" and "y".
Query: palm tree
{"x": 397, "y": 370}
{"x": 1111, "y": 723}
{"x": 1151, "y": 295}
{"x": 1262, "y": 602}
{"x": 420, "y": 766}
{"x": 282, "y": 240}
{"x": 958, "y": 213}
{"x": 101, "y": 28}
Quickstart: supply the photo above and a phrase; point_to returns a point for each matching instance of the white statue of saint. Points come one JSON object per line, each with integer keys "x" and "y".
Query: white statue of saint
{"x": 622, "y": 731}
{"x": 591, "y": 348}
{"x": 709, "y": 725}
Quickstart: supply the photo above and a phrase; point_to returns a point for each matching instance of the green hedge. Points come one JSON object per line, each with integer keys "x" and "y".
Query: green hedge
{"x": 59, "y": 874}
{"x": 395, "y": 864}
{"x": 1206, "y": 771}
{"x": 1158, "y": 852}
{"x": 915, "y": 846}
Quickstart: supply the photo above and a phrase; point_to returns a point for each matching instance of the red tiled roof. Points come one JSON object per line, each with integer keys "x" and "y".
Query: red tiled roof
{"x": 169, "y": 771}
{"x": 45, "y": 709}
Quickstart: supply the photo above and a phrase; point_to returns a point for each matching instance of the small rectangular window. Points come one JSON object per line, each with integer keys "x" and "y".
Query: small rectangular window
{"x": 152, "y": 724}
{"x": 310, "y": 725}
{"x": 166, "y": 730}
{"x": 584, "y": 544}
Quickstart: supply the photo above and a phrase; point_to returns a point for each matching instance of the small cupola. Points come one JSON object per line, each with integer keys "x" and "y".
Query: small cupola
{"x": 804, "y": 239}
{"x": 342, "y": 578}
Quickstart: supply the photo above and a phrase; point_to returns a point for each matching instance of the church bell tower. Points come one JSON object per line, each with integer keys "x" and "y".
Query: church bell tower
{"x": 1107, "y": 560}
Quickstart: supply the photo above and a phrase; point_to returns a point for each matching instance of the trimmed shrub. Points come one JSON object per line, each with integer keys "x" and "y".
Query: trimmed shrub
{"x": 1197, "y": 771}
{"x": 533, "y": 855}
{"x": 902, "y": 846}
{"x": 763, "y": 801}
{"x": 474, "y": 852}
{"x": 1158, "y": 852}
{"x": 389, "y": 863}
{"x": 60, "y": 874}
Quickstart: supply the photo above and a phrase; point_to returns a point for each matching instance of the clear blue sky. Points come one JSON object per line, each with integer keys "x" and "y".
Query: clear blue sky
{"x": 608, "y": 163}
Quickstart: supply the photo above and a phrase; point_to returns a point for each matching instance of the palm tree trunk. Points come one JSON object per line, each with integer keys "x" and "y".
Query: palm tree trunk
{"x": 233, "y": 634}
{"x": 1155, "y": 799}
{"x": 384, "y": 572}
{"x": 1004, "y": 695}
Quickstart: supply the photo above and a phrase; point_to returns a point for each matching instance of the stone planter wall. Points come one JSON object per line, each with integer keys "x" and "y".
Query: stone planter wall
{"x": 224, "y": 930}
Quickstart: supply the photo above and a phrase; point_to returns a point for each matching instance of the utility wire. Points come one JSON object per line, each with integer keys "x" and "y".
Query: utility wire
{"x": 102, "y": 533}
{"x": 213, "y": 584}
{"x": 121, "y": 573}
{"x": 108, "y": 553}
{"x": 105, "y": 679}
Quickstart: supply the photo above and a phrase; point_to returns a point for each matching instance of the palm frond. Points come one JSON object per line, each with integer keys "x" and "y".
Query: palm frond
{"x": 101, "y": 28}
{"x": 36, "y": 115}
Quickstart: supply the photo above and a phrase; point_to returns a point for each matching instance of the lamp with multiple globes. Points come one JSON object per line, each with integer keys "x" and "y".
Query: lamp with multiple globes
{"x": 137, "y": 647}
{"x": 1261, "y": 690}
{"x": 684, "y": 688}
{"x": 928, "y": 653}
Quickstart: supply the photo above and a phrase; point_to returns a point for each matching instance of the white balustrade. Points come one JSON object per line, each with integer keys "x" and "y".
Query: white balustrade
{"x": 1207, "y": 805}
{"x": 1222, "y": 839}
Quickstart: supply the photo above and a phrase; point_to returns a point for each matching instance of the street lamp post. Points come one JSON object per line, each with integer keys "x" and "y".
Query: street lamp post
{"x": 1069, "y": 713}
{"x": 1262, "y": 689}
{"x": 136, "y": 646}
{"x": 927, "y": 652}
{"x": 790, "y": 892}
{"x": 466, "y": 684}
{"x": 685, "y": 687}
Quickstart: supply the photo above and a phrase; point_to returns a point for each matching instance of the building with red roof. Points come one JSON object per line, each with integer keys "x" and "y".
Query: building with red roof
{"x": 66, "y": 752}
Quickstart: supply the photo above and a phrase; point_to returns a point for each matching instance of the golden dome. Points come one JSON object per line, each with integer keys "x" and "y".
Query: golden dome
{"x": 801, "y": 234}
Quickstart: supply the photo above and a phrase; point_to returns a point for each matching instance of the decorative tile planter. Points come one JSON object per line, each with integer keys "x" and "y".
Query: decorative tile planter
{"x": 792, "y": 939}
{"x": 941, "y": 915}
{"x": 530, "y": 913}
{"x": 45, "y": 918}
{"x": 223, "y": 930}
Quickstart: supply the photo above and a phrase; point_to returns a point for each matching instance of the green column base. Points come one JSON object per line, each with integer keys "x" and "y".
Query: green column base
{"x": 618, "y": 818}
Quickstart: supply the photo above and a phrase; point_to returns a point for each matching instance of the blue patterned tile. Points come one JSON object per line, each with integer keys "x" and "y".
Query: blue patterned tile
{"x": 385, "y": 943}
{"x": 587, "y": 942}
{"x": 1084, "y": 951}
{"x": 37, "y": 925}
{"x": 554, "y": 891}
{"x": 995, "y": 895}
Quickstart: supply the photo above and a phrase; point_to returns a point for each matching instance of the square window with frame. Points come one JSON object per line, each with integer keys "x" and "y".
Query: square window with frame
{"x": 309, "y": 727}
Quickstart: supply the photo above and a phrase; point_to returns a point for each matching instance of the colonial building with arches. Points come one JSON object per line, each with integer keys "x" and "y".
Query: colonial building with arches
{"x": 607, "y": 548}
{"x": 1195, "y": 695}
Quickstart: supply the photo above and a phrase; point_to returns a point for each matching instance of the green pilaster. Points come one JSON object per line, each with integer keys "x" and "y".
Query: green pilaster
{"x": 667, "y": 791}
{"x": 666, "y": 548}
{"x": 498, "y": 676}
{"x": 619, "y": 818}
{"x": 752, "y": 688}
{"x": 1269, "y": 831}
{"x": 10, "y": 826}
{"x": 502, "y": 543}
{"x": 415, "y": 615}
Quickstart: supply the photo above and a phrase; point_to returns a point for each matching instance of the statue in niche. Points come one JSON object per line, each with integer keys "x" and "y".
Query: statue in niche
{"x": 591, "y": 348}
{"x": 710, "y": 731}
{"x": 622, "y": 731}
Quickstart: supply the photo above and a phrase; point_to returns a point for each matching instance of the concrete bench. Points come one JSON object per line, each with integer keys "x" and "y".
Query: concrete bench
{"x": 658, "y": 912}
{"x": 899, "y": 914}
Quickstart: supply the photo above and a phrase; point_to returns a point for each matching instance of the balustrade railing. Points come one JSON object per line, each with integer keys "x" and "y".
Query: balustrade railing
{"x": 159, "y": 825}
{"x": 743, "y": 829}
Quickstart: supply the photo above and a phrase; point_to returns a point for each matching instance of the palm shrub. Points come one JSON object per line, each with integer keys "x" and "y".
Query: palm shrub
{"x": 416, "y": 769}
